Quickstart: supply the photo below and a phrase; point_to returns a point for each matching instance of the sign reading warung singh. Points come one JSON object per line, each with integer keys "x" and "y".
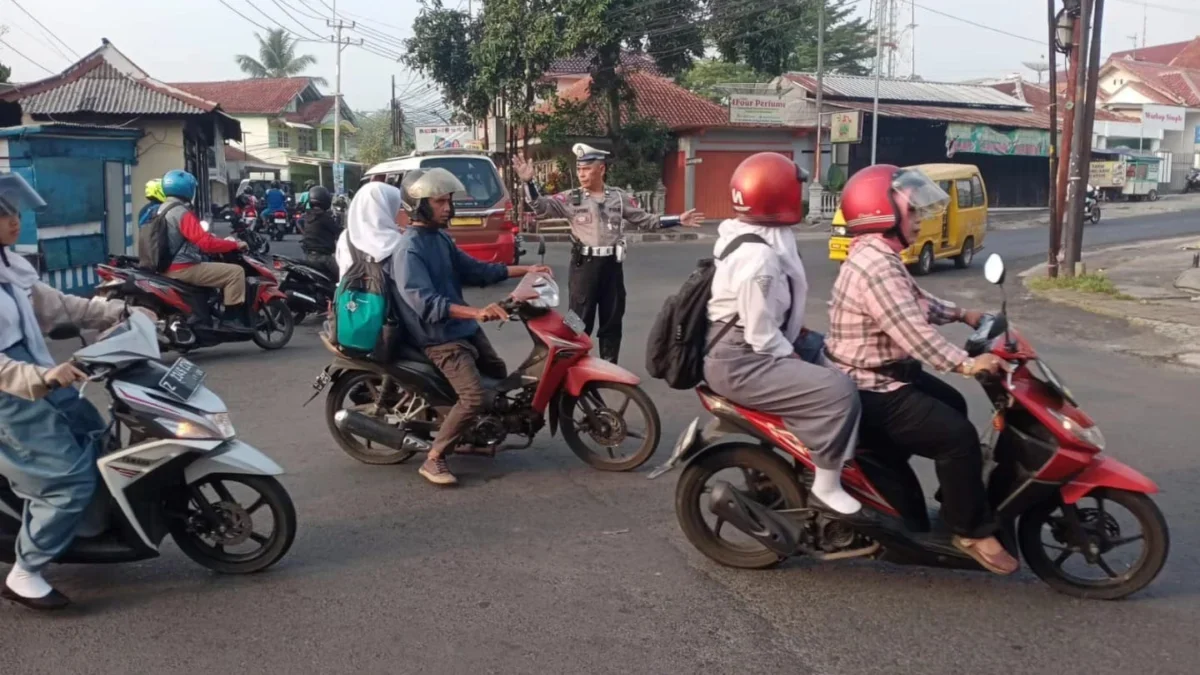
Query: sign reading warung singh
{"x": 756, "y": 109}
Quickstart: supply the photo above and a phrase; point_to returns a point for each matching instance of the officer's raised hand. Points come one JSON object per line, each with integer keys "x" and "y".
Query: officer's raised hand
{"x": 692, "y": 218}
{"x": 524, "y": 169}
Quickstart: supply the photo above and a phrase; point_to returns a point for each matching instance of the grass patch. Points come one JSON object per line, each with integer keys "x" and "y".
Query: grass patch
{"x": 1094, "y": 282}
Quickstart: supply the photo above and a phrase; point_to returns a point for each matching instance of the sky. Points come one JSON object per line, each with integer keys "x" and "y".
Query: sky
{"x": 189, "y": 40}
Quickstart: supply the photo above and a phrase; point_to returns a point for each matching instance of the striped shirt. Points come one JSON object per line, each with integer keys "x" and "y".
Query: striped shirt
{"x": 879, "y": 316}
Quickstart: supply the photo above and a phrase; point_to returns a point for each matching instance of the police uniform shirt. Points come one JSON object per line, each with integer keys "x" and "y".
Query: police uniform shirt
{"x": 596, "y": 223}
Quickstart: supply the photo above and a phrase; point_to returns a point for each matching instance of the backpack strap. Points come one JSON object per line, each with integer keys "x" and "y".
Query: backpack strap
{"x": 733, "y": 246}
{"x": 163, "y": 214}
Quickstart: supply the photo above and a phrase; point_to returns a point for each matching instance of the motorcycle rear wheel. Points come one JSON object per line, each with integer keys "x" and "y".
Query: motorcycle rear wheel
{"x": 361, "y": 386}
{"x": 283, "y": 321}
{"x": 776, "y": 487}
{"x": 1154, "y": 535}
{"x": 614, "y": 426}
{"x": 271, "y": 494}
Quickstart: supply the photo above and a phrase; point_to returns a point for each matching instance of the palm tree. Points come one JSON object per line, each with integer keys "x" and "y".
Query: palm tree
{"x": 276, "y": 58}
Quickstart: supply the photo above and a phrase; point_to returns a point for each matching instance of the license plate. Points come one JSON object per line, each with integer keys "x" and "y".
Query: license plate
{"x": 466, "y": 222}
{"x": 280, "y": 221}
{"x": 182, "y": 380}
{"x": 572, "y": 321}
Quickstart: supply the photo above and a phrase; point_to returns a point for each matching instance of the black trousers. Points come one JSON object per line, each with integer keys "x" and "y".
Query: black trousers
{"x": 598, "y": 285}
{"x": 326, "y": 263}
{"x": 928, "y": 418}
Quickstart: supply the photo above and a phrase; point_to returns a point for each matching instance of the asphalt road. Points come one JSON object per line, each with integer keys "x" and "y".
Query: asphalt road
{"x": 538, "y": 564}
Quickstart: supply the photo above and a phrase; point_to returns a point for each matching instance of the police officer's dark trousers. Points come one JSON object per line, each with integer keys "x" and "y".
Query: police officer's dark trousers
{"x": 597, "y": 283}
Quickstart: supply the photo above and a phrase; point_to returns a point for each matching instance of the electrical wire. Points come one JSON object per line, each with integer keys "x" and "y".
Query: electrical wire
{"x": 978, "y": 25}
{"x": 294, "y": 19}
{"x": 48, "y": 31}
{"x": 18, "y": 53}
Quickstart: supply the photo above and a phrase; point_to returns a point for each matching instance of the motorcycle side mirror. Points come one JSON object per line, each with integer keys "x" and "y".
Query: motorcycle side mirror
{"x": 206, "y": 226}
{"x": 993, "y": 269}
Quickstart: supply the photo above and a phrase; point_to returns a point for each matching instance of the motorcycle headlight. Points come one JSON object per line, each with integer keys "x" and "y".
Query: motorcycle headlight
{"x": 839, "y": 231}
{"x": 223, "y": 424}
{"x": 1088, "y": 435}
{"x": 219, "y": 427}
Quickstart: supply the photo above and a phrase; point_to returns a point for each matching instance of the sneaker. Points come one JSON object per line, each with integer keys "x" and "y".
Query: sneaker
{"x": 437, "y": 472}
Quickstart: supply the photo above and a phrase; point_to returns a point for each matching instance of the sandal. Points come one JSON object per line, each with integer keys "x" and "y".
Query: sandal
{"x": 997, "y": 563}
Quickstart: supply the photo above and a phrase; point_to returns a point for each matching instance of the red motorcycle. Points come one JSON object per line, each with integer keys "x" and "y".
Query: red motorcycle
{"x": 384, "y": 414}
{"x": 277, "y": 225}
{"x": 1052, "y": 489}
{"x": 187, "y": 314}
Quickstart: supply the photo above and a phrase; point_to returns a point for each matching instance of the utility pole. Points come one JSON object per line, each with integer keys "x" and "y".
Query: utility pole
{"x": 1070, "y": 11}
{"x": 1074, "y": 243}
{"x": 814, "y": 188}
{"x": 878, "y": 67}
{"x": 1080, "y": 144}
{"x": 340, "y": 43}
{"x": 1052, "y": 257}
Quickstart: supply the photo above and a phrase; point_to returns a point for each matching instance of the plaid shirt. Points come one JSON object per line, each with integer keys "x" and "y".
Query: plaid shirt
{"x": 879, "y": 316}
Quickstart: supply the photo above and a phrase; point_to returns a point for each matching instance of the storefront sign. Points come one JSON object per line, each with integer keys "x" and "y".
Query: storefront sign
{"x": 845, "y": 127}
{"x": 984, "y": 140}
{"x": 339, "y": 178}
{"x": 1107, "y": 174}
{"x": 1163, "y": 117}
{"x": 1197, "y": 139}
{"x": 444, "y": 138}
{"x": 756, "y": 109}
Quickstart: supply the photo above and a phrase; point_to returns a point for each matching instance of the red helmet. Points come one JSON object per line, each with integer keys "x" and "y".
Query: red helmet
{"x": 767, "y": 189}
{"x": 882, "y": 197}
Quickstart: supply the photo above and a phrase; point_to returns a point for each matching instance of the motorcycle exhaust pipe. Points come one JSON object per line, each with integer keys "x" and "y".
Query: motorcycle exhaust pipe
{"x": 372, "y": 429}
{"x": 754, "y": 520}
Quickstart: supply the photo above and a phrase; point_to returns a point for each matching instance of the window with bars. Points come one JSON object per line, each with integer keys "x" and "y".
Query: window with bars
{"x": 283, "y": 138}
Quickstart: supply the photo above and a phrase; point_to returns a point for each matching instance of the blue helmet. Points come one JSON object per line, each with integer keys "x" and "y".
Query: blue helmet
{"x": 179, "y": 184}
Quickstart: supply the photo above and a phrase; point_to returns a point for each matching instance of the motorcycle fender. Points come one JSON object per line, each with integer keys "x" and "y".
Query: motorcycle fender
{"x": 592, "y": 369}
{"x": 232, "y": 457}
{"x": 269, "y": 293}
{"x": 1107, "y": 472}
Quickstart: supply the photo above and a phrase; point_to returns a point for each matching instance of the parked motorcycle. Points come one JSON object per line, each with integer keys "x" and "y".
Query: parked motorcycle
{"x": 184, "y": 472}
{"x": 384, "y": 414}
{"x": 187, "y": 314}
{"x": 1192, "y": 182}
{"x": 308, "y": 289}
{"x": 1052, "y": 489}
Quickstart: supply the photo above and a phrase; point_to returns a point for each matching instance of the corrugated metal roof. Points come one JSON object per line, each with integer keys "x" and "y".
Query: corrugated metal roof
{"x": 907, "y": 91}
{"x": 1023, "y": 119}
{"x": 105, "y": 90}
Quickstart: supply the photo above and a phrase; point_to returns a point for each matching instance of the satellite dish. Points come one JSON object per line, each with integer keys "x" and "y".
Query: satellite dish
{"x": 1038, "y": 67}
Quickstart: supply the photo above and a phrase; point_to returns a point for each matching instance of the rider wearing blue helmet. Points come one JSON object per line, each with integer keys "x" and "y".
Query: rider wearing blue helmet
{"x": 191, "y": 243}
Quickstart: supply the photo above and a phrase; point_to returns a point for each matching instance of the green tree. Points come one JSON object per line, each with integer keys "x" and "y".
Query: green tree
{"x": 5, "y": 72}
{"x": 775, "y": 36}
{"x": 276, "y": 58}
{"x": 440, "y": 49}
{"x": 645, "y": 141}
{"x": 374, "y": 138}
{"x": 704, "y": 76}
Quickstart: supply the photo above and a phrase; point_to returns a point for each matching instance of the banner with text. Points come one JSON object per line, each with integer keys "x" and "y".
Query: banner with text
{"x": 756, "y": 109}
{"x": 984, "y": 140}
{"x": 1163, "y": 117}
{"x": 444, "y": 138}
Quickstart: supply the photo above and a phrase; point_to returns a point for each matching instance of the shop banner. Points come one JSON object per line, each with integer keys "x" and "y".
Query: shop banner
{"x": 984, "y": 140}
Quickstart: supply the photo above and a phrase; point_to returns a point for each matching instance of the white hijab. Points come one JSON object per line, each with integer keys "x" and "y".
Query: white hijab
{"x": 782, "y": 241}
{"x": 21, "y": 277}
{"x": 371, "y": 224}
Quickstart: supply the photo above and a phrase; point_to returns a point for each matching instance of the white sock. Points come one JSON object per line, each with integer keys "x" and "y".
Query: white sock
{"x": 28, "y": 584}
{"x": 827, "y": 486}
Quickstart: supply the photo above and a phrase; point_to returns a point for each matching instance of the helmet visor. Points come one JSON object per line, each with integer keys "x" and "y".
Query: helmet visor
{"x": 16, "y": 195}
{"x": 923, "y": 196}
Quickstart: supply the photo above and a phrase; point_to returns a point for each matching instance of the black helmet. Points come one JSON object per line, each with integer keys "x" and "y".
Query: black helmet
{"x": 421, "y": 185}
{"x": 275, "y": 184}
{"x": 319, "y": 196}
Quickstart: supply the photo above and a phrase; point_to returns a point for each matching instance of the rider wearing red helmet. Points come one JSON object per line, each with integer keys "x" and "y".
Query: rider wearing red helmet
{"x": 881, "y": 331}
{"x": 757, "y": 314}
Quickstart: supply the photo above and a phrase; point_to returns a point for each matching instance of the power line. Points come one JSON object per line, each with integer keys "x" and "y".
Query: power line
{"x": 235, "y": 11}
{"x": 1165, "y": 8}
{"x": 40, "y": 39}
{"x": 294, "y": 19}
{"x": 18, "y": 53}
{"x": 48, "y": 31}
{"x": 978, "y": 25}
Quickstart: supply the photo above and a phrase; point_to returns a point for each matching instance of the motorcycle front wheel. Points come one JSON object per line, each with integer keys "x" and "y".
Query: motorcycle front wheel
{"x": 276, "y": 325}
{"x": 220, "y": 523}
{"x": 602, "y": 415}
{"x": 1048, "y": 544}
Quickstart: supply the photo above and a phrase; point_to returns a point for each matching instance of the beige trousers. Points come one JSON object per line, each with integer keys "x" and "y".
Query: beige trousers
{"x": 231, "y": 278}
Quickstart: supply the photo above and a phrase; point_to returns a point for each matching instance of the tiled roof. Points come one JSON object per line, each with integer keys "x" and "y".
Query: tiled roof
{"x": 1025, "y": 119}
{"x": 1153, "y": 54}
{"x": 95, "y": 85}
{"x": 906, "y": 91}
{"x": 264, "y": 96}
{"x": 663, "y": 100}
{"x": 1039, "y": 97}
{"x": 312, "y": 112}
{"x": 1189, "y": 57}
{"x": 580, "y": 65}
{"x": 1169, "y": 84}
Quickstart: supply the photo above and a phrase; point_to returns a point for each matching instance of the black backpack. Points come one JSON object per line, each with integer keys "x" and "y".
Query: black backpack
{"x": 154, "y": 242}
{"x": 675, "y": 350}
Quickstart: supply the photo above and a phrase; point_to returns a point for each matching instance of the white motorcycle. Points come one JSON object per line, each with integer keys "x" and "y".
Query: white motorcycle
{"x": 183, "y": 471}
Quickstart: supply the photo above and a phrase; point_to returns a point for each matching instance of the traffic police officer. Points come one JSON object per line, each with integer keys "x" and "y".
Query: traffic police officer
{"x": 598, "y": 215}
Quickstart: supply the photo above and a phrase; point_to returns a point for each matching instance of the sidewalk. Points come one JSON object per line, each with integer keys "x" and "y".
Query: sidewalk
{"x": 1155, "y": 286}
{"x": 1021, "y": 219}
